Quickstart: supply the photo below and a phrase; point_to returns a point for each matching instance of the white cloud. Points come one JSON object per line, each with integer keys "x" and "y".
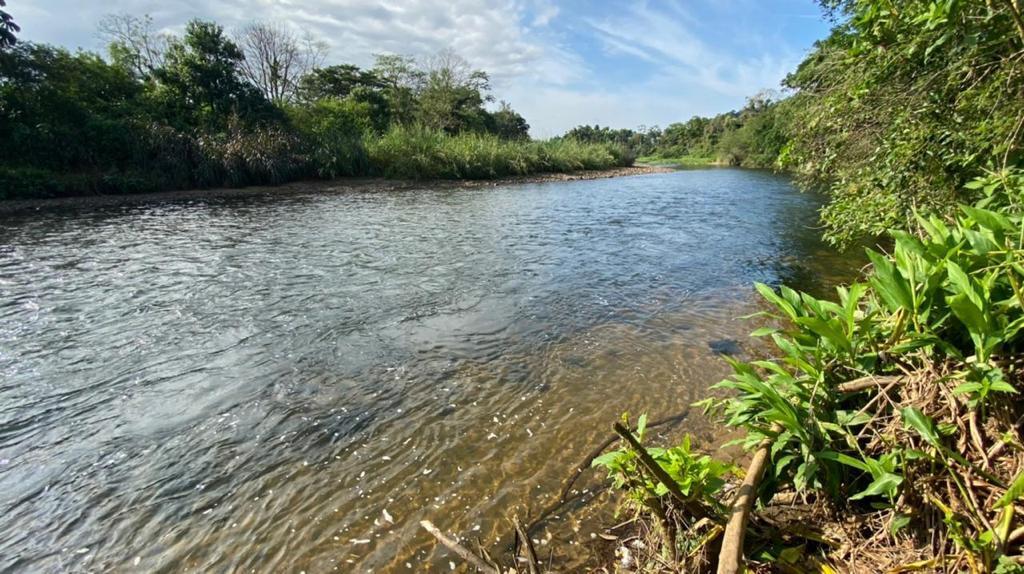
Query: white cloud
{"x": 668, "y": 39}
{"x": 524, "y": 45}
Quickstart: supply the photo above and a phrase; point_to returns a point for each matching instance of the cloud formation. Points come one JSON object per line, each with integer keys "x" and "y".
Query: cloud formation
{"x": 560, "y": 64}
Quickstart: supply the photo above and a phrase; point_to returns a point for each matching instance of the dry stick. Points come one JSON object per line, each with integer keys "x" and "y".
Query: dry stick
{"x": 692, "y": 507}
{"x": 868, "y": 382}
{"x": 585, "y": 464}
{"x": 730, "y": 557}
{"x": 459, "y": 549}
{"x": 531, "y": 552}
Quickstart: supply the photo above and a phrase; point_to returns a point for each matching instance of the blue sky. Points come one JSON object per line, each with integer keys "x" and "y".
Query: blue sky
{"x": 560, "y": 63}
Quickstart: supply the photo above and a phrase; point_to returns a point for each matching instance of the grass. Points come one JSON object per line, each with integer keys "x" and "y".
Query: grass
{"x": 420, "y": 153}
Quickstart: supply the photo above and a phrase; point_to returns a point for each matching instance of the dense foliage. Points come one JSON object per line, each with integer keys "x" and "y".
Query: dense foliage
{"x": 7, "y": 28}
{"x": 904, "y": 103}
{"x": 207, "y": 109}
{"x": 889, "y": 417}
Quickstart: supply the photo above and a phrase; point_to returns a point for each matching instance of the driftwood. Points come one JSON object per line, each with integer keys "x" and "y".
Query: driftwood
{"x": 730, "y": 557}
{"x": 459, "y": 549}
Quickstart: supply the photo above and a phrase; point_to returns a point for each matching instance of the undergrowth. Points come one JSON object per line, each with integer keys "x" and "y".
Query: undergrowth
{"x": 890, "y": 415}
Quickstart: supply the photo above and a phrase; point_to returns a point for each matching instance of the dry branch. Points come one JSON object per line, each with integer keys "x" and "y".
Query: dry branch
{"x": 730, "y": 557}
{"x": 459, "y": 549}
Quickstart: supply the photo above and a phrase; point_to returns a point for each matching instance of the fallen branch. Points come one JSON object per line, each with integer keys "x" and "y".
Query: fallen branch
{"x": 531, "y": 552}
{"x": 459, "y": 549}
{"x": 694, "y": 508}
{"x": 730, "y": 557}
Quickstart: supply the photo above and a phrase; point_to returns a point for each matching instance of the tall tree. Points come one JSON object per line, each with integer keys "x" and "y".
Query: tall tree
{"x": 7, "y": 28}
{"x": 200, "y": 83}
{"x": 401, "y": 81}
{"x": 276, "y": 58}
{"x": 506, "y": 123}
{"x": 454, "y": 94}
{"x": 336, "y": 82}
{"x": 133, "y": 43}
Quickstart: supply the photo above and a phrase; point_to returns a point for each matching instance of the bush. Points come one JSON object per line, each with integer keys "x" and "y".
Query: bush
{"x": 332, "y": 131}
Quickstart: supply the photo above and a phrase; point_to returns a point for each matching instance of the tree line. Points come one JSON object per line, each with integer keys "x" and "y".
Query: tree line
{"x": 895, "y": 111}
{"x": 209, "y": 108}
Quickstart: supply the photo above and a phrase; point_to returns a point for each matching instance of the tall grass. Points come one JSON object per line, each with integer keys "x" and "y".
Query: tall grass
{"x": 414, "y": 152}
{"x": 165, "y": 159}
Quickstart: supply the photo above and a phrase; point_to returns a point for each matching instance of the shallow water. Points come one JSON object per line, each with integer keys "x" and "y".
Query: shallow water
{"x": 248, "y": 384}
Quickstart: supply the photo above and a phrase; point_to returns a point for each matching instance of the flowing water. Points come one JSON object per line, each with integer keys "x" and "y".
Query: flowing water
{"x": 291, "y": 383}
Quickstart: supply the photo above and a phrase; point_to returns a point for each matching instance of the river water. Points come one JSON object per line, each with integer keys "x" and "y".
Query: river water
{"x": 292, "y": 382}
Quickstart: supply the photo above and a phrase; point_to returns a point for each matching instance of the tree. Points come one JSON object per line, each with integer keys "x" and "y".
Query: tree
{"x": 200, "y": 84}
{"x": 454, "y": 95}
{"x": 336, "y": 82}
{"x": 133, "y": 43}
{"x": 7, "y": 28}
{"x": 276, "y": 59}
{"x": 506, "y": 123}
{"x": 401, "y": 81}
{"x": 899, "y": 108}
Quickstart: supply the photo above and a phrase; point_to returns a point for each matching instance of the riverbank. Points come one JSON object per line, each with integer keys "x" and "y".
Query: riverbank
{"x": 340, "y": 185}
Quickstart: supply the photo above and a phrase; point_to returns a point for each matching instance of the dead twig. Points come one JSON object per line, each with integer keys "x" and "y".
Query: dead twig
{"x": 459, "y": 549}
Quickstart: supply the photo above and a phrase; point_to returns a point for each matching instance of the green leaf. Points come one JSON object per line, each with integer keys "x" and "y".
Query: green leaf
{"x": 886, "y": 484}
{"x": 1013, "y": 493}
{"x": 988, "y": 219}
{"x": 963, "y": 284}
{"x": 764, "y": 331}
{"x": 890, "y": 284}
{"x": 967, "y": 388}
{"x": 844, "y": 459}
{"x": 920, "y": 422}
{"x": 973, "y": 318}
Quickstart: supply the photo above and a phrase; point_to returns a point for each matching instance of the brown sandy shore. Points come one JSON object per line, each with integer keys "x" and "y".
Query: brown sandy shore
{"x": 314, "y": 186}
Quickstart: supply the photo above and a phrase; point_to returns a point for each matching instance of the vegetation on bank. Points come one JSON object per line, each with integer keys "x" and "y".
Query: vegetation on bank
{"x": 885, "y": 424}
{"x": 208, "y": 110}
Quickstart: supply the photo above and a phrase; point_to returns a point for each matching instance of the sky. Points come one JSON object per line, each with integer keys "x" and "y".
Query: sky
{"x": 559, "y": 63}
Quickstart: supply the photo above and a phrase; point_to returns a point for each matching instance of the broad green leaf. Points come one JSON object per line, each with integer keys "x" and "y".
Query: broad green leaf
{"x": 988, "y": 219}
{"x": 920, "y": 422}
{"x": 890, "y": 284}
{"x": 1013, "y": 493}
{"x": 886, "y": 484}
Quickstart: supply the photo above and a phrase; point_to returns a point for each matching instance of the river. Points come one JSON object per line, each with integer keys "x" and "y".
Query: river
{"x": 292, "y": 382}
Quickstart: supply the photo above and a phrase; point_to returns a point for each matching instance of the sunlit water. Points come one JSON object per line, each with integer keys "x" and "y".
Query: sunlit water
{"x": 293, "y": 382}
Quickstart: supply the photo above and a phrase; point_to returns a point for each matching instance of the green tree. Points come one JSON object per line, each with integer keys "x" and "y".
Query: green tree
{"x": 903, "y": 104}
{"x": 200, "y": 84}
{"x": 65, "y": 111}
{"x": 401, "y": 82}
{"x": 336, "y": 82}
{"x": 506, "y": 123}
{"x": 454, "y": 95}
{"x": 7, "y": 28}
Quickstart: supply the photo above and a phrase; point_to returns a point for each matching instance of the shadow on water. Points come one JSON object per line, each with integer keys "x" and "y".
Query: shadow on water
{"x": 250, "y": 383}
